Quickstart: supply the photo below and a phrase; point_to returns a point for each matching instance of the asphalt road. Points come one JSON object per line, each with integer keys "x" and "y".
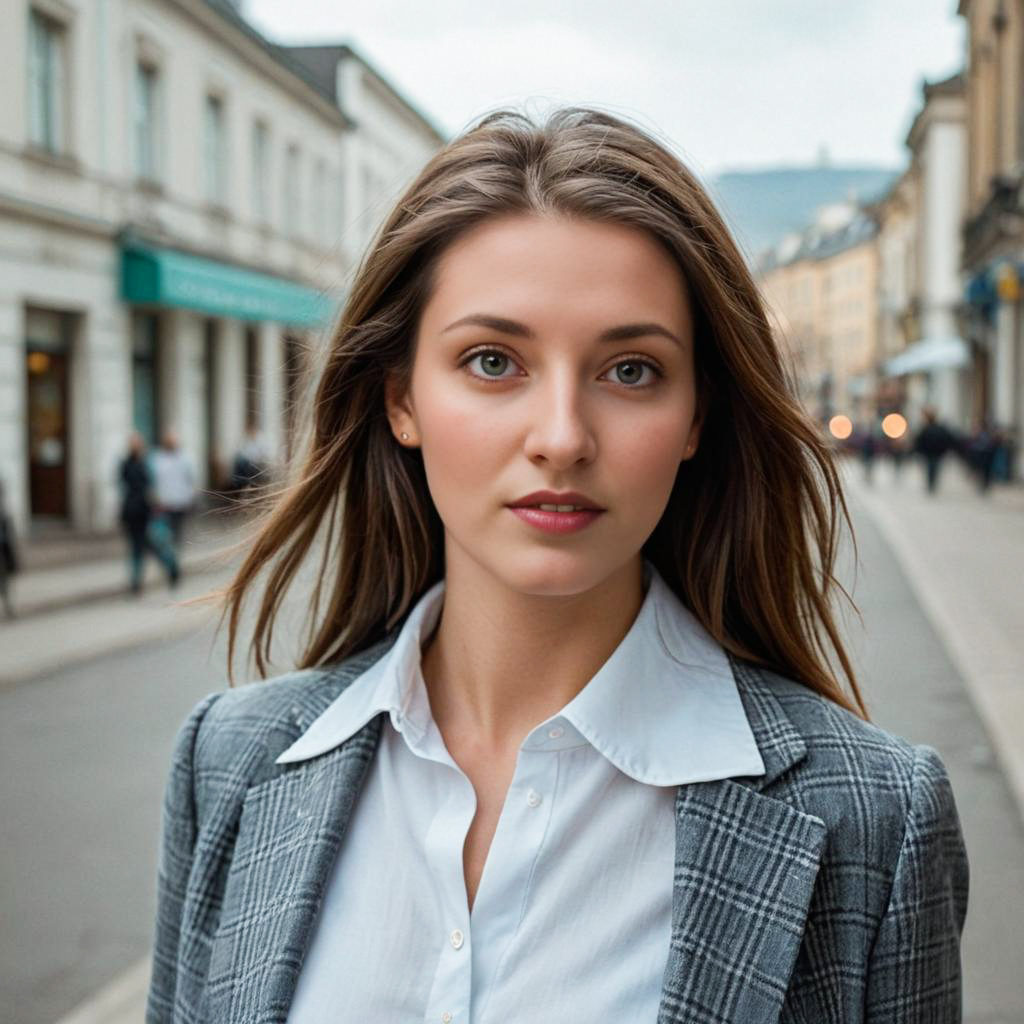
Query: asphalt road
{"x": 85, "y": 755}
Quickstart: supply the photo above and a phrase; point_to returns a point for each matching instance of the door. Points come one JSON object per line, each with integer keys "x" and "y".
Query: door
{"x": 47, "y": 378}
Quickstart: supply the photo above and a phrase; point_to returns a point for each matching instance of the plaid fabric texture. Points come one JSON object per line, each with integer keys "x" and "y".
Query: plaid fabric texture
{"x": 831, "y": 889}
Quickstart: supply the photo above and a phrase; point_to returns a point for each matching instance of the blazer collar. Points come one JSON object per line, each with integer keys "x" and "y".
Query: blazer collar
{"x": 745, "y": 868}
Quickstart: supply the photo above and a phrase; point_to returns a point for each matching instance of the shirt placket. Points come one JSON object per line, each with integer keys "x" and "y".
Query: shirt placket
{"x": 504, "y": 891}
{"x": 451, "y": 991}
{"x": 472, "y": 946}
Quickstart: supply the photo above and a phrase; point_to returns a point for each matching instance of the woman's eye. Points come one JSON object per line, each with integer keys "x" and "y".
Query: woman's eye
{"x": 631, "y": 372}
{"x": 491, "y": 364}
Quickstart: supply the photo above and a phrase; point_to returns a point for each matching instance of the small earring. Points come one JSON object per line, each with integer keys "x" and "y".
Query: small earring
{"x": 405, "y": 436}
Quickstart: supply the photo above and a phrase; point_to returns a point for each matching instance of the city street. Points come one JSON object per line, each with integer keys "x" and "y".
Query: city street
{"x": 86, "y": 754}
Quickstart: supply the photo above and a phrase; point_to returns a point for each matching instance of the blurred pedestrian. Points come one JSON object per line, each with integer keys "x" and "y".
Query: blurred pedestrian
{"x": 868, "y": 450}
{"x": 1002, "y": 458}
{"x": 8, "y": 555}
{"x": 981, "y": 450}
{"x": 174, "y": 485}
{"x": 898, "y": 448}
{"x": 252, "y": 462}
{"x": 933, "y": 442}
{"x": 137, "y": 518}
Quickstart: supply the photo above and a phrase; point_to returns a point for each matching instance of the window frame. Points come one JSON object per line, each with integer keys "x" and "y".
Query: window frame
{"x": 215, "y": 132}
{"x": 154, "y": 173}
{"x": 48, "y": 121}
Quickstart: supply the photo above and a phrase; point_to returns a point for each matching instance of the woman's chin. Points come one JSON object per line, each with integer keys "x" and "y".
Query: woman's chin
{"x": 557, "y": 573}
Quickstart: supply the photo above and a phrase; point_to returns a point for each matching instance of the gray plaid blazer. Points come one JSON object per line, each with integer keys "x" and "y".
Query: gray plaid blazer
{"x": 831, "y": 889}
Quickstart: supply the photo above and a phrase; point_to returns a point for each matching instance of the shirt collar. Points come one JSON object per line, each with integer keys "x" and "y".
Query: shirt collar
{"x": 664, "y": 708}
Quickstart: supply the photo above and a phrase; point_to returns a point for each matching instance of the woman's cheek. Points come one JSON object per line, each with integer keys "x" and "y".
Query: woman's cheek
{"x": 648, "y": 460}
{"x": 459, "y": 456}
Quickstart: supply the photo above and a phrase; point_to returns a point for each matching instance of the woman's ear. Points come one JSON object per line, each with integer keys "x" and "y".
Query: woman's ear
{"x": 398, "y": 404}
{"x": 699, "y": 415}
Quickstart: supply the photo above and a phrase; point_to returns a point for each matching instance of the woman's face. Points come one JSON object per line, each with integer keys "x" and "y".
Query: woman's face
{"x": 554, "y": 354}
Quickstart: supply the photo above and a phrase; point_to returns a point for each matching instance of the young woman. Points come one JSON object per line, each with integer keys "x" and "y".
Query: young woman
{"x": 565, "y": 743}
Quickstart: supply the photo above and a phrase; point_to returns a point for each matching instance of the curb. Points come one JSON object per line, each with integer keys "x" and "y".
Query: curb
{"x": 995, "y": 689}
{"x": 41, "y": 645}
{"x": 122, "y": 1001}
{"x": 30, "y": 609}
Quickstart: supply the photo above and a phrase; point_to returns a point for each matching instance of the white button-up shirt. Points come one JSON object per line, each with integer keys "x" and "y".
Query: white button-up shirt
{"x": 572, "y": 915}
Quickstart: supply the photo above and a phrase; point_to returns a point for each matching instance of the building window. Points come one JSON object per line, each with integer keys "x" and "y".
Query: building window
{"x": 146, "y": 126}
{"x": 338, "y": 219}
{"x": 318, "y": 221}
{"x": 291, "y": 190}
{"x": 47, "y": 83}
{"x": 214, "y": 155}
{"x": 261, "y": 172}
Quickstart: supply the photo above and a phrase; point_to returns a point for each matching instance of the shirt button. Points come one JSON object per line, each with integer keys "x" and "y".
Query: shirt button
{"x": 533, "y": 798}
{"x": 456, "y": 938}
{"x": 555, "y": 732}
{"x": 446, "y": 1017}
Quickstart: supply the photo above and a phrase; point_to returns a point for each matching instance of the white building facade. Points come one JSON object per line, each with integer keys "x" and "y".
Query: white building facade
{"x": 392, "y": 139}
{"x": 177, "y": 201}
{"x": 936, "y": 363}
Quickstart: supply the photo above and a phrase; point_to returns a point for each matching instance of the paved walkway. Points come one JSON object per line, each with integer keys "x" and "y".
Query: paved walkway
{"x": 82, "y": 609}
{"x": 963, "y": 553}
{"x": 64, "y": 571}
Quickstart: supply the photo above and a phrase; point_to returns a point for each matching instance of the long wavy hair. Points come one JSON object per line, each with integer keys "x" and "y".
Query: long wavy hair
{"x": 749, "y": 537}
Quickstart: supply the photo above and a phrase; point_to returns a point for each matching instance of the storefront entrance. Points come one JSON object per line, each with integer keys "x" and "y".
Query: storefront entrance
{"x": 47, "y": 357}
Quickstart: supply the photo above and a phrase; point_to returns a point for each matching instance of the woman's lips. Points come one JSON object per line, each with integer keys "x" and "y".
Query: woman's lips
{"x": 556, "y": 522}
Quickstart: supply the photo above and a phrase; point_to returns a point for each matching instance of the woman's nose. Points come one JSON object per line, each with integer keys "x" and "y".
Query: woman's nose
{"x": 560, "y": 431}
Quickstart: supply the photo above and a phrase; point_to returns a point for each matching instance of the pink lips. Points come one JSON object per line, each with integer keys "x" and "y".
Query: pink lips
{"x": 556, "y": 522}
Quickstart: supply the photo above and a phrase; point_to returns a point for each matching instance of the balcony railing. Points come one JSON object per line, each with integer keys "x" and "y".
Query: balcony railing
{"x": 1002, "y": 217}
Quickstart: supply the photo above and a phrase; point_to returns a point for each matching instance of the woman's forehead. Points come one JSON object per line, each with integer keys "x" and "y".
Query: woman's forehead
{"x": 549, "y": 268}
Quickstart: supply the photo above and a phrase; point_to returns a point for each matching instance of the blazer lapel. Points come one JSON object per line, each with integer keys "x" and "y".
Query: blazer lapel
{"x": 744, "y": 873}
{"x": 290, "y": 830}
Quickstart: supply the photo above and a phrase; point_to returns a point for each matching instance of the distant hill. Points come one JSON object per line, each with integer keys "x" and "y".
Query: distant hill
{"x": 763, "y": 206}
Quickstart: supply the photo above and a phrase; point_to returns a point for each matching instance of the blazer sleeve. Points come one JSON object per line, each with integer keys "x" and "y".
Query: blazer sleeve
{"x": 179, "y": 831}
{"x": 914, "y": 973}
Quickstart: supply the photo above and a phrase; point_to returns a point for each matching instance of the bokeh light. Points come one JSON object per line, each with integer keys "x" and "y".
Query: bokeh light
{"x": 894, "y": 425}
{"x": 840, "y": 427}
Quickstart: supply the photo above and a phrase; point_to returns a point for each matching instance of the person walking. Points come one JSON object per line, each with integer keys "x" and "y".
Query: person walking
{"x": 137, "y": 520}
{"x": 251, "y": 465}
{"x": 982, "y": 449}
{"x": 897, "y": 448}
{"x": 868, "y": 450}
{"x": 572, "y": 734}
{"x": 933, "y": 442}
{"x": 174, "y": 486}
{"x": 8, "y": 555}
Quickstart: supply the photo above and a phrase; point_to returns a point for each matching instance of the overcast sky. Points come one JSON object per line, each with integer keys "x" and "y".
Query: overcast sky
{"x": 732, "y": 83}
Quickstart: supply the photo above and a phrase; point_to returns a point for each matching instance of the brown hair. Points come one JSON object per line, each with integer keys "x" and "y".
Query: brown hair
{"x": 750, "y": 534}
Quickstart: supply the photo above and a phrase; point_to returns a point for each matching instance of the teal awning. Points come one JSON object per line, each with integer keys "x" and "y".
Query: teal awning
{"x": 166, "y": 277}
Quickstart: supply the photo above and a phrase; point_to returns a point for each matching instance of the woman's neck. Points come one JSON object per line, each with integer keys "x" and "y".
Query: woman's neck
{"x": 500, "y": 661}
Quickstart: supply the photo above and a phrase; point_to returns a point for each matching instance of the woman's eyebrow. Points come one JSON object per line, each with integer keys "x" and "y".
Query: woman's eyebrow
{"x": 505, "y": 326}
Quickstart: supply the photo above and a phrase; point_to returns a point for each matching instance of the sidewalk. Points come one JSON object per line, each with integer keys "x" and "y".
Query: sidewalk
{"x": 82, "y": 610}
{"x": 963, "y": 555}
{"x": 63, "y": 571}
